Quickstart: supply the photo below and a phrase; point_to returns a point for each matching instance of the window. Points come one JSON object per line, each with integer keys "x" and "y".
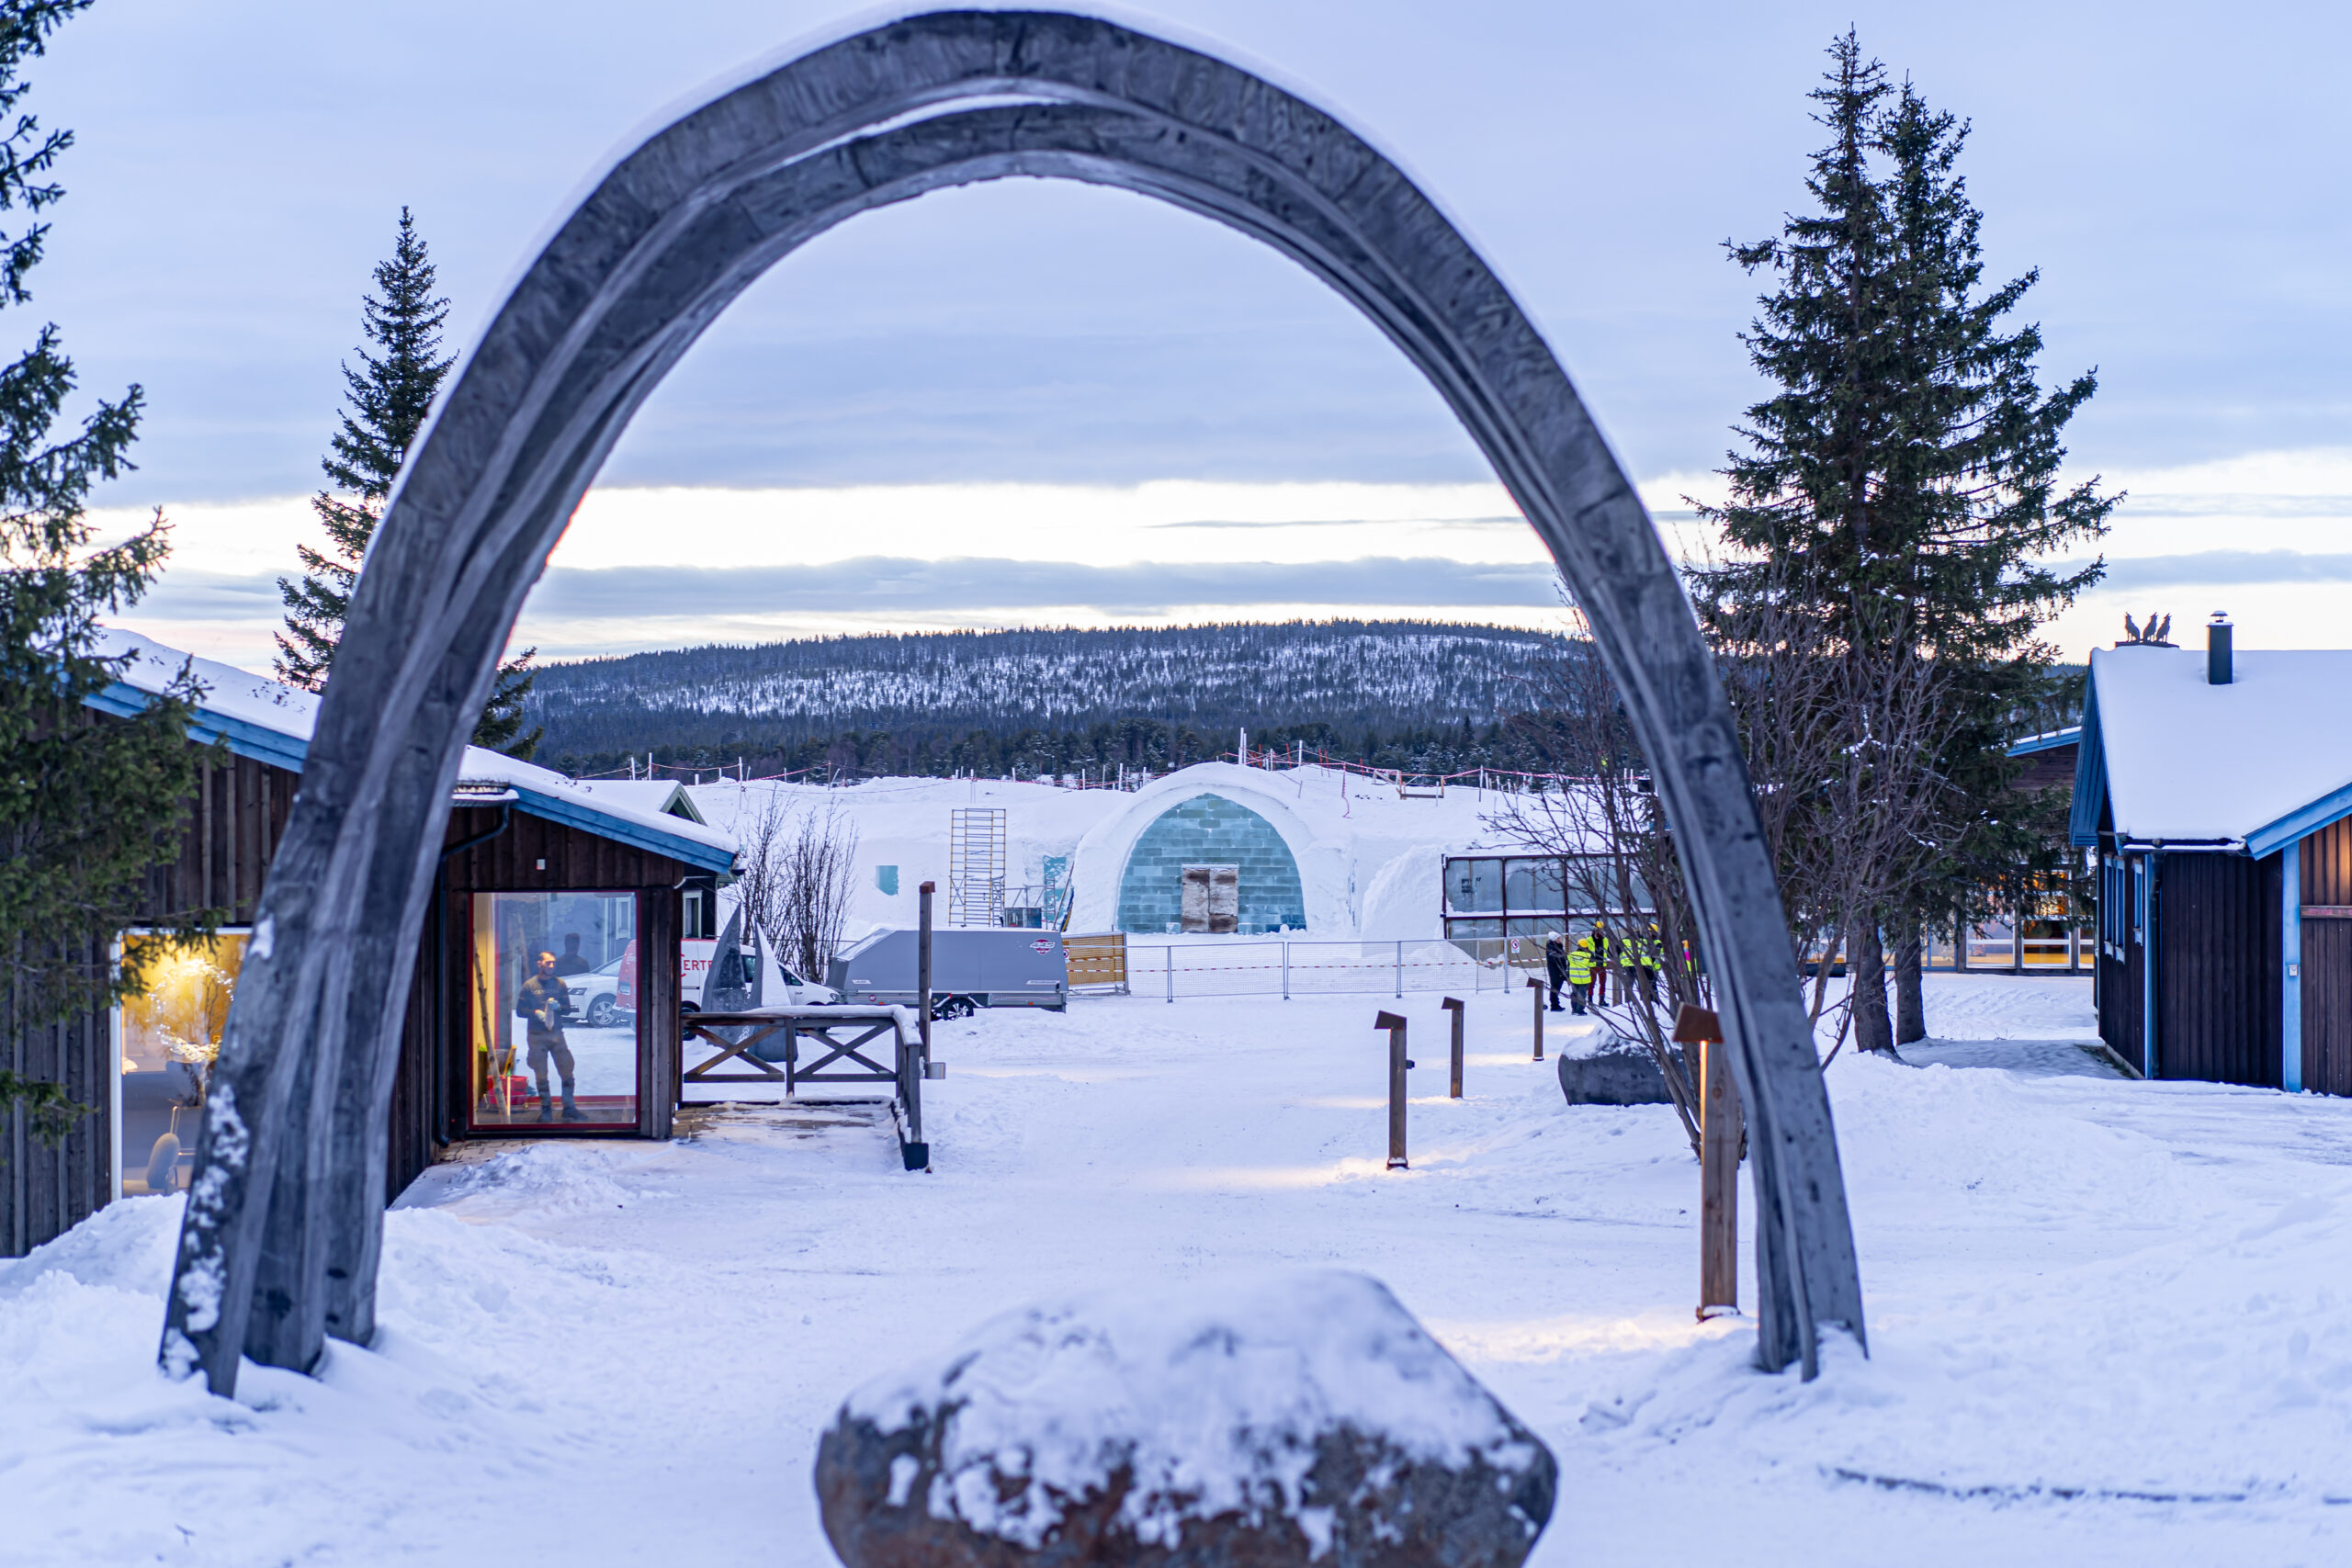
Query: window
{"x": 1536, "y": 885}
{"x": 1475, "y": 886}
{"x": 1536, "y": 893}
{"x": 168, "y": 1038}
{"x": 555, "y": 1023}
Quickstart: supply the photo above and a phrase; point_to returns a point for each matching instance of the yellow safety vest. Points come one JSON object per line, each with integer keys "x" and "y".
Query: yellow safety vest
{"x": 1580, "y": 963}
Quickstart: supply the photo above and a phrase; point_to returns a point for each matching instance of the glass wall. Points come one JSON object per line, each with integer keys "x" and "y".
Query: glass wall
{"x": 555, "y": 1025}
{"x": 1535, "y": 894}
{"x": 169, "y": 1040}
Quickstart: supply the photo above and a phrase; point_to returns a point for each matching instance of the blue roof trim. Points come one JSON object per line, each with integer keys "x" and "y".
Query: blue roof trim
{"x": 244, "y": 739}
{"x": 248, "y": 740}
{"x": 2049, "y": 742}
{"x": 694, "y": 852}
{"x": 2331, "y": 807}
{"x": 2090, "y": 774}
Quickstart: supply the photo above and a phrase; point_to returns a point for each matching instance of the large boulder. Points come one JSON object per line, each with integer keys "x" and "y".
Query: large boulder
{"x": 1618, "y": 1072}
{"x": 1260, "y": 1422}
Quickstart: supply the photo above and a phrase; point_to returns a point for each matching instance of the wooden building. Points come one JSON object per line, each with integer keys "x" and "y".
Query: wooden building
{"x": 2213, "y": 793}
{"x": 593, "y": 873}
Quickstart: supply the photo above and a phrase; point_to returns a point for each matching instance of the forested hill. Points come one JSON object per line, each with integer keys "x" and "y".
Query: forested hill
{"x": 1351, "y": 678}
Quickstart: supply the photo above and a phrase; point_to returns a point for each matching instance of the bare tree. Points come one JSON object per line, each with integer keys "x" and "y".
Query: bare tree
{"x": 1841, "y": 741}
{"x": 1843, "y": 721}
{"x": 799, "y": 874}
{"x": 1618, "y": 861}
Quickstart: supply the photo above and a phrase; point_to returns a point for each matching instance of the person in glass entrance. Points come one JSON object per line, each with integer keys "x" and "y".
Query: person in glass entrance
{"x": 1555, "y": 967}
{"x": 572, "y": 962}
{"x": 546, "y": 1002}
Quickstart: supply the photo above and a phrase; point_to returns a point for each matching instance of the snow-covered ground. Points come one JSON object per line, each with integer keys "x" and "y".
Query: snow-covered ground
{"x": 2111, "y": 1322}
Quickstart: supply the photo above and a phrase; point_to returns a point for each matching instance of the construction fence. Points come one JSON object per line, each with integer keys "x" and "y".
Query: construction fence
{"x": 1295, "y": 968}
{"x": 1456, "y": 965}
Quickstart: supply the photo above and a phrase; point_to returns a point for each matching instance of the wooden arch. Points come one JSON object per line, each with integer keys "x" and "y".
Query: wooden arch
{"x": 280, "y": 1242}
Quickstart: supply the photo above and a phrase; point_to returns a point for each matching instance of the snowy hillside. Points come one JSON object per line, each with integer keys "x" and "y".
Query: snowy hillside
{"x": 1212, "y": 678}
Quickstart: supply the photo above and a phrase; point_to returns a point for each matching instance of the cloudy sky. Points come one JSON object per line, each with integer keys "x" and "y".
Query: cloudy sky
{"x": 1041, "y": 402}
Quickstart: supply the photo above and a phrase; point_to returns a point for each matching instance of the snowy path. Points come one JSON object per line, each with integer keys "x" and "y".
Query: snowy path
{"x": 614, "y": 1353}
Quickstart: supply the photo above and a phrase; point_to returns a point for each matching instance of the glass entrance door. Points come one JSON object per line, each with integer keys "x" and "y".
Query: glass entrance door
{"x": 552, "y": 997}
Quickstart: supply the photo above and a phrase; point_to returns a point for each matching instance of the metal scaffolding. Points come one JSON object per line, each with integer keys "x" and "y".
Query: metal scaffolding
{"x": 975, "y": 865}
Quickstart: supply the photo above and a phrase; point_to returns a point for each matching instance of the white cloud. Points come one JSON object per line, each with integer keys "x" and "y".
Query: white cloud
{"x": 2262, "y": 536}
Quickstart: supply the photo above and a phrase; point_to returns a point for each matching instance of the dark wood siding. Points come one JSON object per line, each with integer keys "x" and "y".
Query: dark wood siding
{"x": 2327, "y": 1006}
{"x": 2217, "y": 974}
{"x": 573, "y": 858}
{"x": 2326, "y": 859}
{"x": 2051, "y": 768}
{"x": 235, "y": 819}
{"x": 2119, "y": 1003}
{"x": 235, "y": 823}
{"x": 43, "y": 1190}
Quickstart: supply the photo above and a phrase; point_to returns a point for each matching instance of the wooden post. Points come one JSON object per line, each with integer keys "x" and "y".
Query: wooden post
{"x": 1536, "y": 986}
{"x": 1454, "y": 1005}
{"x": 914, "y": 1066}
{"x": 1398, "y": 1064}
{"x": 922, "y": 966}
{"x": 1720, "y": 1133}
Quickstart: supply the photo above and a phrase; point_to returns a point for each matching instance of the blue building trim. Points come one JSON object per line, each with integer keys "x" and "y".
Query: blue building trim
{"x": 2090, "y": 776}
{"x": 245, "y": 739}
{"x": 2152, "y": 945}
{"x": 281, "y": 751}
{"x": 2049, "y": 742}
{"x": 2300, "y": 823}
{"x": 2290, "y": 966}
{"x": 705, "y": 857}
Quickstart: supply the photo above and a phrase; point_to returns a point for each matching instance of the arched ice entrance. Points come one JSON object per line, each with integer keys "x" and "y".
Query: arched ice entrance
{"x": 1160, "y": 890}
{"x": 284, "y": 1222}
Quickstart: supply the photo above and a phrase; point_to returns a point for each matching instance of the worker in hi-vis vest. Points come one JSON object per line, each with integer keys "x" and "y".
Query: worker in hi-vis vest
{"x": 1600, "y": 939}
{"x": 1580, "y": 974}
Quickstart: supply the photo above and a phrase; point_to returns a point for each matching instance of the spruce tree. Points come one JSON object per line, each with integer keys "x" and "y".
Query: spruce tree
{"x": 87, "y": 803}
{"x": 1901, "y": 479}
{"x": 387, "y": 400}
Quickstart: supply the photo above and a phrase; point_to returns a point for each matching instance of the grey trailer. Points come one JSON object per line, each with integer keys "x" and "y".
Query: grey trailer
{"x": 971, "y": 968}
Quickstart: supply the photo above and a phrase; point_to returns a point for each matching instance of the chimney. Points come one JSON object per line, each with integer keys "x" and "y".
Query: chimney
{"x": 2217, "y": 669}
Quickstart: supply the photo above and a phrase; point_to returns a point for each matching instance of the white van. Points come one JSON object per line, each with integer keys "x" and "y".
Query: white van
{"x": 784, "y": 988}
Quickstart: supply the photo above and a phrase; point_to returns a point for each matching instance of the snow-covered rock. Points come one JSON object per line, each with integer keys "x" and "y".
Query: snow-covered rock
{"x": 1611, "y": 1070}
{"x": 1265, "y": 1419}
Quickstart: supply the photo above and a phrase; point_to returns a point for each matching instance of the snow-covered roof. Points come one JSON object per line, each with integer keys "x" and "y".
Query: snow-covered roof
{"x": 2261, "y": 760}
{"x": 662, "y": 797}
{"x": 271, "y": 722}
{"x": 2048, "y": 740}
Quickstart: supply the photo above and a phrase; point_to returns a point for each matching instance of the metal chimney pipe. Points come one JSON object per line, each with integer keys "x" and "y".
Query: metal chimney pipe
{"x": 2218, "y": 664}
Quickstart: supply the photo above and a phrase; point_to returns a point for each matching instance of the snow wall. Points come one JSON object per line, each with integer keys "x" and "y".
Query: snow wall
{"x": 1368, "y": 863}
